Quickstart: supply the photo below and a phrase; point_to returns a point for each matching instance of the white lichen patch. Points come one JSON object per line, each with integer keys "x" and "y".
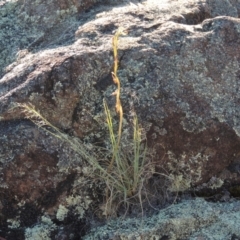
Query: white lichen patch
{"x": 215, "y": 183}
{"x": 61, "y": 212}
{"x": 179, "y": 183}
{"x": 79, "y": 203}
{"x": 13, "y": 223}
{"x": 185, "y": 172}
{"x": 40, "y": 231}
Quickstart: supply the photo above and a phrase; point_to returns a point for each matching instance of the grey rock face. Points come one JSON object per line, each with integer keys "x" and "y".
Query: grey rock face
{"x": 193, "y": 220}
{"x": 179, "y": 70}
{"x": 27, "y": 26}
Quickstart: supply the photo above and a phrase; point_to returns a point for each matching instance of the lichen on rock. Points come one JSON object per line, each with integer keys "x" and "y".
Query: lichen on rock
{"x": 179, "y": 70}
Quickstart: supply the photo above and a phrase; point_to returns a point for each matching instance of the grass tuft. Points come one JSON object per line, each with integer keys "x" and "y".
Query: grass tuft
{"x": 128, "y": 170}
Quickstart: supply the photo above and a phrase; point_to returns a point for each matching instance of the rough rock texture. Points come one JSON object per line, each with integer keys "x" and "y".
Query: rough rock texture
{"x": 40, "y": 175}
{"x": 179, "y": 69}
{"x": 192, "y": 219}
{"x": 29, "y": 25}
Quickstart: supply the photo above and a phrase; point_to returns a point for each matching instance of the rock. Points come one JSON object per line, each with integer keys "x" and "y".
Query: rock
{"x": 179, "y": 70}
{"x": 38, "y": 174}
{"x": 190, "y": 219}
{"x": 31, "y": 25}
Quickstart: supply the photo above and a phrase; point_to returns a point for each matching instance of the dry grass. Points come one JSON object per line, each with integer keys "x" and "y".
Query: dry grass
{"x": 125, "y": 174}
{"x": 129, "y": 171}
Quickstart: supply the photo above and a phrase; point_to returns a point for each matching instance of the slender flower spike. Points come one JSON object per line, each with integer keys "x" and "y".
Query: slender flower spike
{"x": 119, "y": 110}
{"x": 119, "y": 32}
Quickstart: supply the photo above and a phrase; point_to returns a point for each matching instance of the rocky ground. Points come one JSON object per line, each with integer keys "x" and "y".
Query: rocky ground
{"x": 179, "y": 72}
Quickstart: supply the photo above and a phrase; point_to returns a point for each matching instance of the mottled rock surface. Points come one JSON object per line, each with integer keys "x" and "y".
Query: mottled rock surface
{"x": 29, "y": 25}
{"x": 193, "y": 220}
{"x": 179, "y": 69}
